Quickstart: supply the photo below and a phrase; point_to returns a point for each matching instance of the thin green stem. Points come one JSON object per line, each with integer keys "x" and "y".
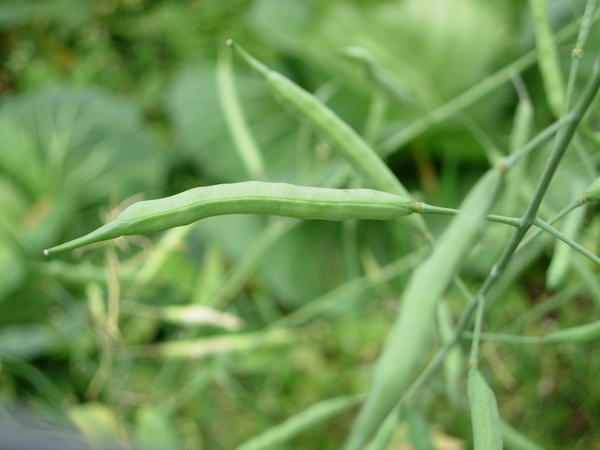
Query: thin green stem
{"x": 474, "y": 356}
{"x": 566, "y": 210}
{"x": 505, "y": 338}
{"x": 449, "y": 109}
{"x": 444, "y": 112}
{"x": 515, "y": 222}
{"x": 542, "y": 309}
{"x": 538, "y": 140}
{"x": 513, "y": 244}
{"x": 562, "y": 144}
{"x": 570, "y": 242}
{"x": 424, "y": 208}
{"x": 577, "y": 53}
{"x": 560, "y": 148}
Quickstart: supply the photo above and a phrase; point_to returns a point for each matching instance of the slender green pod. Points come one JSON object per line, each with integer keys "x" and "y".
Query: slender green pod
{"x": 328, "y": 126}
{"x": 454, "y": 361}
{"x": 239, "y": 130}
{"x": 547, "y": 57}
{"x": 406, "y": 345}
{"x": 577, "y": 53}
{"x": 516, "y": 190}
{"x": 251, "y": 197}
{"x": 562, "y": 258}
{"x": 204, "y": 347}
{"x": 418, "y": 428}
{"x": 487, "y": 428}
{"x": 524, "y": 120}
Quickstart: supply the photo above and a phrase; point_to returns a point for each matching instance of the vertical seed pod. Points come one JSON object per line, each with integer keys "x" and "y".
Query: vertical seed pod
{"x": 523, "y": 122}
{"x": 516, "y": 190}
{"x": 418, "y": 428}
{"x": 562, "y": 258}
{"x": 485, "y": 419}
{"x": 329, "y": 127}
{"x": 547, "y": 57}
{"x": 454, "y": 361}
{"x": 406, "y": 345}
{"x": 240, "y": 132}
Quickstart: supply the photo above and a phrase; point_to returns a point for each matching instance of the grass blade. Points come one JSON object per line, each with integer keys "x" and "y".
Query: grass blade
{"x": 310, "y": 417}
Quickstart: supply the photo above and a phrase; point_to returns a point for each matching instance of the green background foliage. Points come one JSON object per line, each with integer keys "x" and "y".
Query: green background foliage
{"x": 106, "y": 102}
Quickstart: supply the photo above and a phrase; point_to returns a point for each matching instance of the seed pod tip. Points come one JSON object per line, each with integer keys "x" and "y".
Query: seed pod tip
{"x": 256, "y": 65}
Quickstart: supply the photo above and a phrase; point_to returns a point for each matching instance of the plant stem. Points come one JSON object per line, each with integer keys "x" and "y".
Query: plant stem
{"x": 516, "y": 222}
{"x": 570, "y": 242}
{"x": 537, "y": 140}
{"x": 474, "y": 356}
{"x": 562, "y": 144}
{"x": 577, "y": 53}
{"x": 444, "y": 112}
{"x": 505, "y": 338}
{"x": 566, "y": 210}
{"x": 527, "y": 220}
{"x": 430, "y": 209}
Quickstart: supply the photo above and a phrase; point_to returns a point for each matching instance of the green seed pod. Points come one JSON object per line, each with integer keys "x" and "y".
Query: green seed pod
{"x": 562, "y": 259}
{"x": 453, "y": 362}
{"x": 485, "y": 419}
{"x": 406, "y": 345}
{"x": 252, "y": 197}
{"x": 523, "y": 123}
{"x": 547, "y": 56}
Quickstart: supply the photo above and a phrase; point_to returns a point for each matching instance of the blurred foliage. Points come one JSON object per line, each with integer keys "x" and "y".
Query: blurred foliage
{"x": 104, "y": 100}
